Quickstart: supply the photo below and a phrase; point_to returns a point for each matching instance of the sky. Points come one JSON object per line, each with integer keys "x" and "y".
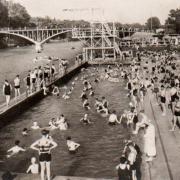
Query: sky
{"x": 124, "y": 11}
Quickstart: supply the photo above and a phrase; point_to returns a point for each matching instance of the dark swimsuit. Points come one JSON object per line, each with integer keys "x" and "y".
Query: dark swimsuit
{"x": 45, "y": 155}
{"x": 163, "y": 99}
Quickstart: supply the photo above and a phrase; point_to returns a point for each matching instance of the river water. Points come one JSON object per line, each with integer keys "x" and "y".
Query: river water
{"x": 101, "y": 144}
{"x": 19, "y": 60}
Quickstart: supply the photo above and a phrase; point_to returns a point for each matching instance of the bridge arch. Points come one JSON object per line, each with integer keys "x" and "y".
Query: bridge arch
{"x": 19, "y": 35}
{"x": 50, "y": 37}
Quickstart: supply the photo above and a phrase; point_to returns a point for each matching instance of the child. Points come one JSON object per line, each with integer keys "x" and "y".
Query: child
{"x": 15, "y": 149}
{"x": 33, "y": 168}
{"x": 72, "y": 146}
{"x": 35, "y": 125}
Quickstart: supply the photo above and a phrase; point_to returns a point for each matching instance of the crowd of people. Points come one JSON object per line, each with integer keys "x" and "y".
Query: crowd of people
{"x": 35, "y": 80}
{"x": 150, "y": 75}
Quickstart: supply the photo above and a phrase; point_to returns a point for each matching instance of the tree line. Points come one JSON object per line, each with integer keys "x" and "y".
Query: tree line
{"x": 14, "y": 15}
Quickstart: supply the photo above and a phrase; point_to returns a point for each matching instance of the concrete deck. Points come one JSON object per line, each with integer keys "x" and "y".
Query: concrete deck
{"x": 23, "y": 102}
{"x": 15, "y": 176}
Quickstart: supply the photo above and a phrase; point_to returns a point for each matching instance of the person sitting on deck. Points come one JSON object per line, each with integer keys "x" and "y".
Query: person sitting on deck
{"x": 15, "y": 149}
{"x": 85, "y": 120}
{"x": 113, "y": 118}
{"x": 72, "y": 146}
{"x": 55, "y": 91}
{"x": 35, "y": 125}
{"x": 34, "y": 167}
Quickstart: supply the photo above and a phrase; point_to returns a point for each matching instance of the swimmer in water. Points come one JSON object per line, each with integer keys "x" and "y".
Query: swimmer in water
{"x": 35, "y": 125}
{"x": 86, "y": 104}
{"x": 62, "y": 123}
{"x": 69, "y": 92}
{"x": 25, "y": 132}
{"x": 85, "y": 120}
{"x": 55, "y": 91}
{"x": 72, "y": 146}
{"x": 65, "y": 96}
{"x": 52, "y": 124}
{"x": 83, "y": 95}
{"x": 91, "y": 93}
{"x": 113, "y": 118}
{"x": 15, "y": 149}
{"x": 34, "y": 167}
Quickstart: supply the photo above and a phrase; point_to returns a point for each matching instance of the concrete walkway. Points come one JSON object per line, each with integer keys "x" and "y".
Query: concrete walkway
{"x": 15, "y": 176}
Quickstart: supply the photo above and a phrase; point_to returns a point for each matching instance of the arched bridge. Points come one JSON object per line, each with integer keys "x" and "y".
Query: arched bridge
{"x": 40, "y": 36}
{"x": 36, "y": 36}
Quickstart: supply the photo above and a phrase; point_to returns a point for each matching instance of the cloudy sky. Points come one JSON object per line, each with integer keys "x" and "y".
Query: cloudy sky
{"x": 125, "y": 11}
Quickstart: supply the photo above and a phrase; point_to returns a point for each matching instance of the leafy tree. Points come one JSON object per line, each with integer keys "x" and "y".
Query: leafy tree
{"x": 3, "y": 15}
{"x": 172, "y": 23}
{"x": 153, "y": 23}
{"x": 18, "y": 16}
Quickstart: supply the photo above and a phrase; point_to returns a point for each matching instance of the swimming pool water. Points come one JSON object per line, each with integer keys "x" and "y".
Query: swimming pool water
{"x": 101, "y": 144}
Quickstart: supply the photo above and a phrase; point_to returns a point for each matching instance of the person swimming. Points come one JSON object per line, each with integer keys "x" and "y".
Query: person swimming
{"x": 83, "y": 95}
{"x": 55, "y": 91}
{"x": 86, "y": 104}
{"x": 113, "y": 118}
{"x": 72, "y": 146}
{"x": 85, "y": 120}
{"x": 15, "y": 149}
{"x": 65, "y": 96}
{"x": 91, "y": 93}
{"x": 53, "y": 124}
{"x": 35, "y": 125}
{"x": 24, "y": 132}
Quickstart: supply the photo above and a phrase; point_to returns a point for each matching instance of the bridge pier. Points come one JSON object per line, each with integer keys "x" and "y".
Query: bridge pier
{"x": 38, "y": 47}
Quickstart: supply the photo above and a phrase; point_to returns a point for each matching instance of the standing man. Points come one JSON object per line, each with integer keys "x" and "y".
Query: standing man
{"x": 27, "y": 80}
{"x": 7, "y": 88}
{"x": 17, "y": 86}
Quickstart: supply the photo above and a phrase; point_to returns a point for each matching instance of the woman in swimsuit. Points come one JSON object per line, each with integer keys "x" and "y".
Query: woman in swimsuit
{"x": 44, "y": 147}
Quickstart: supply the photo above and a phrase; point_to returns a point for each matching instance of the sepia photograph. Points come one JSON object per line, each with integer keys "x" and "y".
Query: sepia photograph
{"x": 89, "y": 89}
